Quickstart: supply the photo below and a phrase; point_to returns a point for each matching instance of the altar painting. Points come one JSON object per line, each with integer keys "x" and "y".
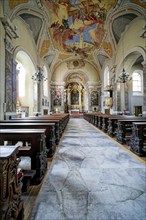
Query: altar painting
{"x": 75, "y": 97}
{"x": 57, "y": 98}
{"x": 94, "y": 98}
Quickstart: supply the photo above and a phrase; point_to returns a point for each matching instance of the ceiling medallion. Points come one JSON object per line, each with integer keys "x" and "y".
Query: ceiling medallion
{"x": 75, "y": 64}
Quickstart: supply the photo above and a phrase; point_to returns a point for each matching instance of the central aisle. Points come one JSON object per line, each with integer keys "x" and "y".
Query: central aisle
{"x": 91, "y": 178}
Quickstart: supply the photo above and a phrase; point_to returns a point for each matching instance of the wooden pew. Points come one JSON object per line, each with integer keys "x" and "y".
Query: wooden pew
{"x": 50, "y": 132}
{"x": 124, "y": 129}
{"x": 91, "y": 117}
{"x": 60, "y": 120}
{"x": 11, "y": 204}
{"x": 87, "y": 116}
{"x": 105, "y": 121}
{"x": 64, "y": 118}
{"x": 100, "y": 121}
{"x": 113, "y": 121}
{"x": 36, "y": 120}
{"x": 138, "y": 138}
{"x": 37, "y": 151}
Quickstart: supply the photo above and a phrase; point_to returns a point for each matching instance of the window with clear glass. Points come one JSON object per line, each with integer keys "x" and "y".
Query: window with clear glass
{"x": 21, "y": 79}
{"x": 137, "y": 82}
{"x": 45, "y": 82}
{"x": 106, "y": 81}
{"x": 106, "y": 77}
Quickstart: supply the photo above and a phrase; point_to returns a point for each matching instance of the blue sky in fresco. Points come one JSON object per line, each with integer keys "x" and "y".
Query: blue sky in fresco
{"x": 86, "y": 33}
{"x": 74, "y": 1}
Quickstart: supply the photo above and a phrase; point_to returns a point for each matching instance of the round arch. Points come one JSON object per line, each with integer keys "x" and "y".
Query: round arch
{"x": 133, "y": 56}
{"x": 27, "y": 102}
{"x": 64, "y": 68}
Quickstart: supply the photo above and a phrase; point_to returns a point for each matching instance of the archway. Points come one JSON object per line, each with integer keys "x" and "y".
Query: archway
{"x": 26, "y": 89}
{"x": 76, "y": 92}
{"x": 127, "y": 99}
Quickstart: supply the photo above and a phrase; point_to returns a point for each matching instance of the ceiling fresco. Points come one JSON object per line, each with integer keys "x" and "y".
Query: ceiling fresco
{"x": 76, "y": 29}
{"x": 14, "y": 3}
{"x": 77, "y": 26}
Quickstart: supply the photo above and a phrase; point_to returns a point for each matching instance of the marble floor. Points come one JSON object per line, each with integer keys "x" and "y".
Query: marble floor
{"x": 91, "y": 178}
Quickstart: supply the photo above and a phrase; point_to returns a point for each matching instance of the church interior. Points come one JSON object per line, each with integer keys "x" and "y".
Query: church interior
{"x": 73, "y": 109}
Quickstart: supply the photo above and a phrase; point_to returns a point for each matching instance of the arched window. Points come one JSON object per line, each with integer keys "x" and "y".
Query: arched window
{"x": 21, "y": 79}
{"x": 137, "y": 82}
{"x": 106, "y": 77}
{"x": 106, "y": 81}
{"x": 45, "y": 82}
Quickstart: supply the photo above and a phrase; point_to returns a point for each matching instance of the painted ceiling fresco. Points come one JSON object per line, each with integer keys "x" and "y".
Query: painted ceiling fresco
{"x": 77, "y": 25}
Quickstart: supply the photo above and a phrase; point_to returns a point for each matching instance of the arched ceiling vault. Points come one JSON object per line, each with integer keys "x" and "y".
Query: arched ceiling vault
{"x": 63, "y": 69}
{"x": 63, "y": 29}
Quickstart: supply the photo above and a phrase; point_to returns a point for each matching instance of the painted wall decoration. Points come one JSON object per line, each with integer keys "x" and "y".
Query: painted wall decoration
{"x": 44, "y": 48}
{"x": 142, "y": 3}
{"x": 57, "y": 97}
{"x": 94, "y": 98}
{"x": 14, "y": 3}
{"x": 10, "y": 96}
{"x": 75, "y": 77}
{"x": 77, "y": 25}
{"x": 75, "y": 64}
{"x": 108, "y": 48}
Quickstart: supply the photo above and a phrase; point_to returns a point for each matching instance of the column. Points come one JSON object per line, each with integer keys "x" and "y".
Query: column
{"x": 2, "y": 71}
{"x": 144, "y": 87}
{"x": 126, "y": 85}
{"x": 10, "y": 66}
{"x": 62, "y": 99}
{"x": 80, "y": 102}
{"x": 68, "y": 99}
{"x": 118, "y": 97}
{"x": 122, "y": 96}
{"x": 52, "y": 92}
{"x": 89, "y": 99}
{"x": 39, "y": 95}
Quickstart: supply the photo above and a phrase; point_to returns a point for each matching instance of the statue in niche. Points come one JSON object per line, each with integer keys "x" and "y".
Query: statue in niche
{"x": 75, "y": 97}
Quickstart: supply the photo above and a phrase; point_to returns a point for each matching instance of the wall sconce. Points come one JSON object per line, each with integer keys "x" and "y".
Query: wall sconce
{"x": 39, "y": 76}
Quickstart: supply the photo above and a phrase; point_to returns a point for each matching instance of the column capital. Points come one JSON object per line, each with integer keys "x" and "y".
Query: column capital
{"x": 143, "y": 63}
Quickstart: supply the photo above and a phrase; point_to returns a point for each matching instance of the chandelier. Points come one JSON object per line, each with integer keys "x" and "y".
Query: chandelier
{"x": 123, "y": 77}
{"x": 39, "y": 76}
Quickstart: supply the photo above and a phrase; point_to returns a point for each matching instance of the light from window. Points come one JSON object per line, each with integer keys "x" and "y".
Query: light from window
{"x": 136, "y": 82}
{"x": 106, "y": 80}
{"x": 21, "y": 80}
{"x": 106, "y": 77}
{"x": 45, "y": 83}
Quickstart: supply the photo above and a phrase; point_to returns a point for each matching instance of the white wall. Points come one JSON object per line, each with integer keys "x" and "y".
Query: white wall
{"x": 2, "y": 70}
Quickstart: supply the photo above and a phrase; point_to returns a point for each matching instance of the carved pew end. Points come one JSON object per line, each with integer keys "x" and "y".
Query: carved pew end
{"x": 28, "y": 176}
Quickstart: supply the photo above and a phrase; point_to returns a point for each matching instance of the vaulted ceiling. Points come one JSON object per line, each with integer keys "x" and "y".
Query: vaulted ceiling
{"x": 75, "y": 27}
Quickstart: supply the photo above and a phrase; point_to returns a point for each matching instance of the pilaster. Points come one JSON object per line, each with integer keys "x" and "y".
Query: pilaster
{"x": 144, "y": 86}
{"x": 10, "y": 65}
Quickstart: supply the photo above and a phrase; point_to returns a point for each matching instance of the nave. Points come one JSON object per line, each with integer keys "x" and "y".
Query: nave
{"x": 91, "y": 177}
